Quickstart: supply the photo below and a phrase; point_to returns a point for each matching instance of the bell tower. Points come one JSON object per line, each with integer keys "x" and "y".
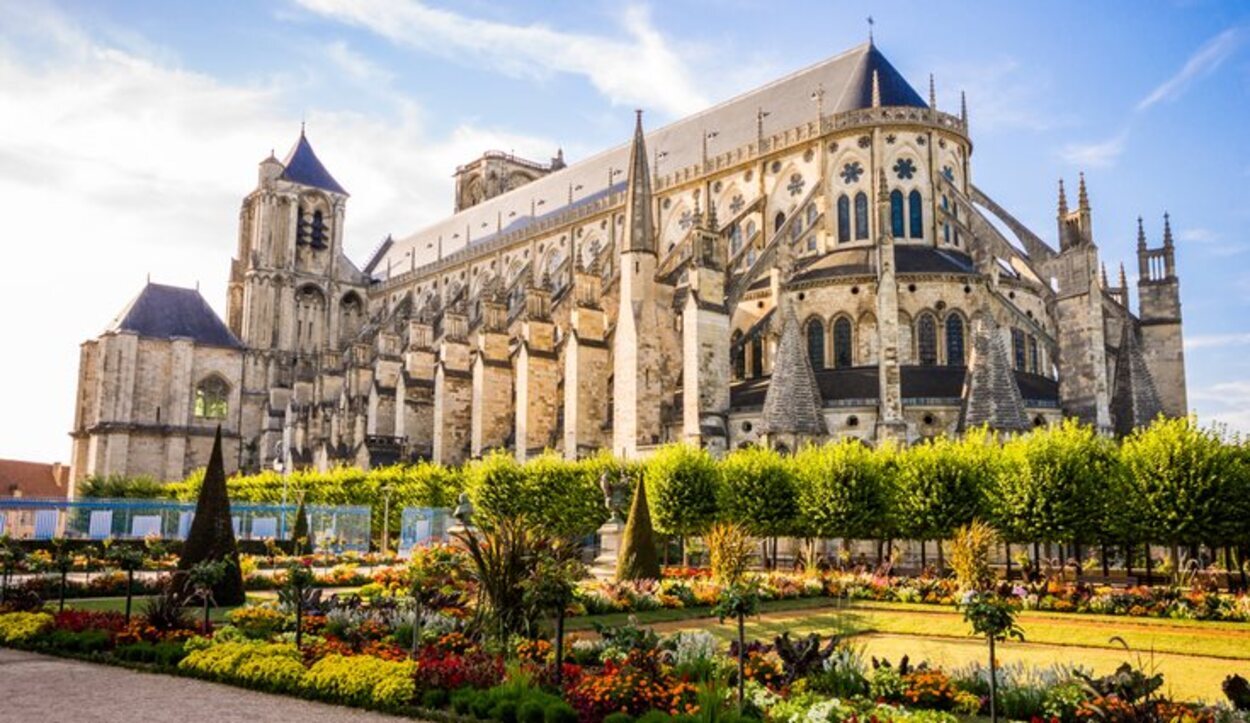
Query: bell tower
{"x": 1159, "y": 307}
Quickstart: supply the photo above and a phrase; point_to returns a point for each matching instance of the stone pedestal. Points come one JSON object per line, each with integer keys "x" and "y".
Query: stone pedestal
{"x": 609, "y": 547}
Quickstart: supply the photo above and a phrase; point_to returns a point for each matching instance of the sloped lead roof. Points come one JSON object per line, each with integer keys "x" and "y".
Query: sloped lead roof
{"x": 1134, "y": 398}
{"x": 168, "y": 312}
{"x": 792, "y": 404}
{"x": 991, "y": 393}
{"x": 845, "y": 78}
{"x": 303, "y": 167}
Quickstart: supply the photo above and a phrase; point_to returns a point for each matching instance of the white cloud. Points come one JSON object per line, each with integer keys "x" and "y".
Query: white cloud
{"x": 1098, "y": 154}
{"x": 1204, "y": 61}
{"x": 641, "y": 68}
{"x": 1224, "y": 403}
{"x": 1001, "y": 95}
{"x": 113, "y": 166}
{"x": 1216, "y": 341}
{"x": 1211, "y": 242}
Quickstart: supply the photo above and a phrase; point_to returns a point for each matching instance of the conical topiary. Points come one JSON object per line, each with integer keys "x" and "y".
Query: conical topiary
{"x": 637, "y": 559}
{"x": 212, "y": 532}
{"x": 301, "y": 541}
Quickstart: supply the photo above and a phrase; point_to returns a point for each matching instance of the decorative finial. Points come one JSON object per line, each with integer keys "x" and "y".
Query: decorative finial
{"x": 1141, "y": 235}
{"x": 883, "y": 188}
{"x": 1103, "y": 271}
{"x": 870, "y": 24}
{"x": 1167, "y": 230}
{"x": 932, "y": 93}
{"x": 1082, "y": 195}
{"x": 711, "y": 214}
{"x": 301, "y": 127}
{"x": 876, "y": 90}
{"x": 1123, "y": 278}
{"x": 1063, "y": 200}
{"x": 963, "y": 107}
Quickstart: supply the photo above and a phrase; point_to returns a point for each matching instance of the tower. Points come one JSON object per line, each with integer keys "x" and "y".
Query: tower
{"x": 705, "y": 339}
{"x": 1083, "y": 386}
{"x": 636, "y": 348}
{"x": 1159, "y": 307}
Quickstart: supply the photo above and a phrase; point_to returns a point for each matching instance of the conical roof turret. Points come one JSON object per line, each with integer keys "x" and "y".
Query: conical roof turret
{"x": 792, "y": 405}
{"x": 991, "y": 393}
{"x": 639, "y": 228}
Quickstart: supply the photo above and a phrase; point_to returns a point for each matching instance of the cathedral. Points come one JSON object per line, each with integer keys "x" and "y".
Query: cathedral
{"x": 808, "y": 261}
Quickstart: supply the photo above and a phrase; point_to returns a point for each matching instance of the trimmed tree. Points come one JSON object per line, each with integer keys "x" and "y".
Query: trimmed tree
{"x": 758, "y": 491}
{"x": 637, "y": 559}
{"x": 844, "y": 491}
{"x": 942, "y": 485}
{"x": 211, "y": 538}
{"x": 683, "y": 482}
{"x": 301, "y": 539}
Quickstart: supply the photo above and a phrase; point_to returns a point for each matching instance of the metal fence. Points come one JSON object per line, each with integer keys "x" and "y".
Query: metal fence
{"x": 331, "y": 527}
{"x": 422, "y": 526}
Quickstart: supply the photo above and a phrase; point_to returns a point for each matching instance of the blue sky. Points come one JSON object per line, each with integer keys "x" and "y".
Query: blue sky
{"x": 129, "y": 132}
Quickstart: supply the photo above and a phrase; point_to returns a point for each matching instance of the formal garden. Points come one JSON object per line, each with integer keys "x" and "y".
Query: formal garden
{"x": 808, "y": 587}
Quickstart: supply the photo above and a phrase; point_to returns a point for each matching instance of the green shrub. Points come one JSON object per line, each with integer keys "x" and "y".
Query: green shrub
{"x": 530, "y": 711}
{"x": 481, "y": 706}
{"x": 85, "y": 642}
{"x": 559, "y": 712}
{"x": 22, "y": 628}
{"x": 504, "y": 711}
{"x": 275, "y": 667}
{"x": 654, "y": 716}
{"x": 462, "y": 700}
{"x": 435, "y": 698}
{"x": 618, "y": 718}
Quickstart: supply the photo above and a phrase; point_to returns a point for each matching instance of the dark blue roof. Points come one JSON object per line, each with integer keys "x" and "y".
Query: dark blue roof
{"x": 303, "y": 166}
{"x": 167, "y": 312}
{"x": 895, "y": 90}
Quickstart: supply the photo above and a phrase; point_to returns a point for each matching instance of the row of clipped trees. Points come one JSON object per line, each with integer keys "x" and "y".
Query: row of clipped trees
{"x": 1173, "y": 483}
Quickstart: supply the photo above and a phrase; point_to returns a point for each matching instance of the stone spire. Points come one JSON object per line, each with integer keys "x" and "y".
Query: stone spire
{"x": 876, "y": 90}
{"x": 963, "y": 107}
{"x": 1141, "y": 236}
{"x": 1082, "y": 200}
{"x": 792, "y": 405}
{"x": 1124, "y": 283}
{"x": 1134, "y": 399}
{"x": 1063, "y": 200}
{"x": 1167, "y": 230}
{"x": 639, "y": 230}
{"x": 710, "y": 222}
{"x": 1103, "y": 271}
{"x": 932, "y": 93}
{"x": 991, "y": 394}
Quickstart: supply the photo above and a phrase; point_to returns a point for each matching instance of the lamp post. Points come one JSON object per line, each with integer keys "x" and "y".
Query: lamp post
{"x": 280, "y": 466}
{"x": 387, "y": 491}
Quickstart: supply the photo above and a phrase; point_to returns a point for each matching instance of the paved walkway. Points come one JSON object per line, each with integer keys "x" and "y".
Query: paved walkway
{"x": 41, "y": 688}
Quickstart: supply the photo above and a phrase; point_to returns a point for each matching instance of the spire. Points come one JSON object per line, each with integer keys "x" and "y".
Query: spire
{"x": 1167, "y": 230}
{"x": 1141, "y": 236}
{"x": 1063, "y": 200}
{"x": 876, "y": 90}
{"x": 963, "y": 107}
{"x": 883, "y": 188}
{"x": 932, "y": 93}
{"x": 1134, "y": 398}
{"x": 991, "y": 393}
{"x": 639, "y": 230}
{"x": 792, "y": 403}
{"x": 303, "y": 167}
{"x": 1124, "y": 283}
{"x": 1103, "y": 266}
{"x": 711, "y": 224}
{"x": 1082, "y": 196}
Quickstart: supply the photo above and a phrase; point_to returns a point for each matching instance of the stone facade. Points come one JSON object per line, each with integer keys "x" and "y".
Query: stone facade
{"x": 638, "y": 298}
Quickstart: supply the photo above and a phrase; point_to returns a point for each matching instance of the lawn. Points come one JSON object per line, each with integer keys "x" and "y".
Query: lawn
{"x": 118, "y": 604}
{"x": 1194, "y": 656}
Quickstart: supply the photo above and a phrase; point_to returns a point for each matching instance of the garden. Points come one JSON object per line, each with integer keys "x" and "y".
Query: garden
{"x": 762, "y": 610}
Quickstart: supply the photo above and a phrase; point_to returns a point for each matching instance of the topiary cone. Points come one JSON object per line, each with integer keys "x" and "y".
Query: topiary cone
{"x": 212, "y": 531}
{"x": 637, "y": 559}
{"x": 299, "y": 532}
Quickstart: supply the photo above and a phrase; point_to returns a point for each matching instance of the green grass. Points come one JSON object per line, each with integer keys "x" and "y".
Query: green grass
{"x": 118, "y": 604}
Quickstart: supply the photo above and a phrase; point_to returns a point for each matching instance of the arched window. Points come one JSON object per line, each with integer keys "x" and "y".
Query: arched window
{"x": 757, "y": 356}
{"x": 735, "y": 238}
{"x": 916, "y": 211}
{"x": 812, "y": 213}
{"x": 861, "y": 216}
{"x": 750, "y": 229}
{"x": 796, "y": 229}
{"x": 954, "y": 340}
{"x": 842, "y": 356}
{"x": 816, "y": 343}
{"x": 1017, "y": 348}
{"x": 778, "y": 221}
{"x": 212, "y": 398}
{"x": 844, "y": 219}
{"x": 896, "y": 214}
{"x": 1033, "y": 355}
{"x": 926, "y": 340}
{"x": 738, "y": 356}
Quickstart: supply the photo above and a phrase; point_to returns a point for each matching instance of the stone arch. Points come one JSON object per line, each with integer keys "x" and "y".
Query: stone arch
{"x": 866, "y": 337}
{"x": 926, "y": 336}
{"x": 816, "y": 339}
{"x": 211, "y": 399}
{"x": 310, "y": 318}
{"x": 955, "y": 338}
{"x": 842, "y": 338}
{"x": 351, "y": 316}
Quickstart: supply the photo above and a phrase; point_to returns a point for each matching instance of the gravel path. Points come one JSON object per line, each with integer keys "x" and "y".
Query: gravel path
{"x": 41, "y": 688}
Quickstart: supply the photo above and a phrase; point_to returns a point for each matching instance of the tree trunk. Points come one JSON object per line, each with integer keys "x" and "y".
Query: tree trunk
{"x": 1228, "y": 567}
{"x": 941, "y": 561}
{"x": 1128, "y": 562}
{"x": 1037, "y": 560}
{"x": 923, "y": 561}
{"x": 685, "y": 554}
{"x": 1149, "y": 567}
{"x": 130, "y": 580}
{"x": 64, "y": 575}
{"x": 742, "y": 654}
{"x": 1242, "y": 551}
{"x": 1106, "y": 566}
{"x": 560, "y": 646}
{"x": 993, "y": 684}
{"x": 1007, "y": 553}
{"x": 207, "y": 630}
{"x": 416, "y": 628}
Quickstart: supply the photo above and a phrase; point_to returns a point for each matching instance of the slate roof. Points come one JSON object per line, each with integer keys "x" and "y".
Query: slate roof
{"x": 908, "y": 259}
{"x": 991, "y": 394}
{"x": 166, "y": 312}
{"x": 847, "y": 82}
{"x": 1134, "y": 398}
{"x": 303, "y": 167}
{"x": 848, "y": 384}
{"x": 792, "y": 403}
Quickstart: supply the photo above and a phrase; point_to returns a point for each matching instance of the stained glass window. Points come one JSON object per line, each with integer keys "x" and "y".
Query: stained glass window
{"x": 896, "y": 214}
{"x": 842, "y": 343}
{"x": 916, "y": 211}
{"x": 905, "y": 168}
{"x": 738, "y": 356}
{"x": 1017, "y": 348}
{"x": 816, "y": 343}
{"x": 212, "y": 399}
{"x": 844, "y": 219}
{"x": 757, "y": 356}
{"x": 861, "y": 216}
{"x": 1033, "y": 354}
{"x": 926, "y": 340}
{"x": 852, "y": 171}
{"x": 954, "y": 340}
